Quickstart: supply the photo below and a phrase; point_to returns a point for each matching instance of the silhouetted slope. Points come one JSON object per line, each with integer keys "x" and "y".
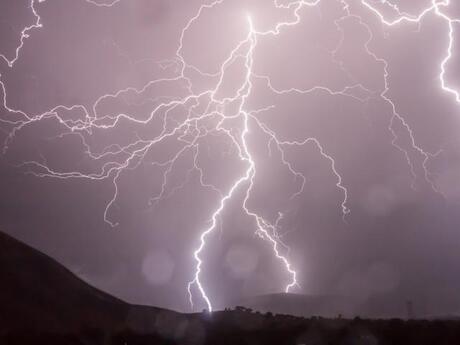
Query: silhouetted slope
{"x": 38, "y": 293}
{"x": 42, "y": 303}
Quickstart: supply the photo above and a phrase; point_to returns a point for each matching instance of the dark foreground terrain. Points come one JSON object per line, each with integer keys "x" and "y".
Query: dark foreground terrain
{"x": 276, "y": 330}
{"x": 41, "y": 302}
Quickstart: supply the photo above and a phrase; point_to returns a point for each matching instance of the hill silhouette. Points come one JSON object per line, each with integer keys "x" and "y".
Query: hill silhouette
{"x": 38, "y": 293}
{"x": 41, "y": 302}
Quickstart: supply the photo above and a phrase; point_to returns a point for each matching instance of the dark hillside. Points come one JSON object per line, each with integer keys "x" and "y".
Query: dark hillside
{"x": 38, "y": 293}
{"x": 41, "y": 302}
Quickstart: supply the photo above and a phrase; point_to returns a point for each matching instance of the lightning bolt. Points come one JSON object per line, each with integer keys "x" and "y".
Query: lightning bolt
{"x": 264, "y": 229}
{"x": 402, "y": 17}
{"x": 26, "y": 32}
{"x": 205, "y": 114}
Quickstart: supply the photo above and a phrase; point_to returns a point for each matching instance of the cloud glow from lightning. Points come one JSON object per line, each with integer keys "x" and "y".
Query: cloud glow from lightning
{"x": 216, "y": 120}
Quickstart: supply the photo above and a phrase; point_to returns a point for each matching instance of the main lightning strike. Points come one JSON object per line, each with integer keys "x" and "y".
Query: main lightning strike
{"x": 263, "y": 226}
{"x": 247, "y": 178}
{"x": 117, "y": 159}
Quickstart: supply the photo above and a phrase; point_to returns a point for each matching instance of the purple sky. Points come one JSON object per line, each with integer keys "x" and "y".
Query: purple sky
{"x": 82, "y": 174}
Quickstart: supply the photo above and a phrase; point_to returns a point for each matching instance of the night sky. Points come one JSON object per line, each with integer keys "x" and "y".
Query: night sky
{"x": 123, "y": 125}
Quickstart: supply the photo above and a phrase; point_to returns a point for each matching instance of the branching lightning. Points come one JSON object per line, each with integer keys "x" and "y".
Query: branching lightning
{"x": 205, "y": 115}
